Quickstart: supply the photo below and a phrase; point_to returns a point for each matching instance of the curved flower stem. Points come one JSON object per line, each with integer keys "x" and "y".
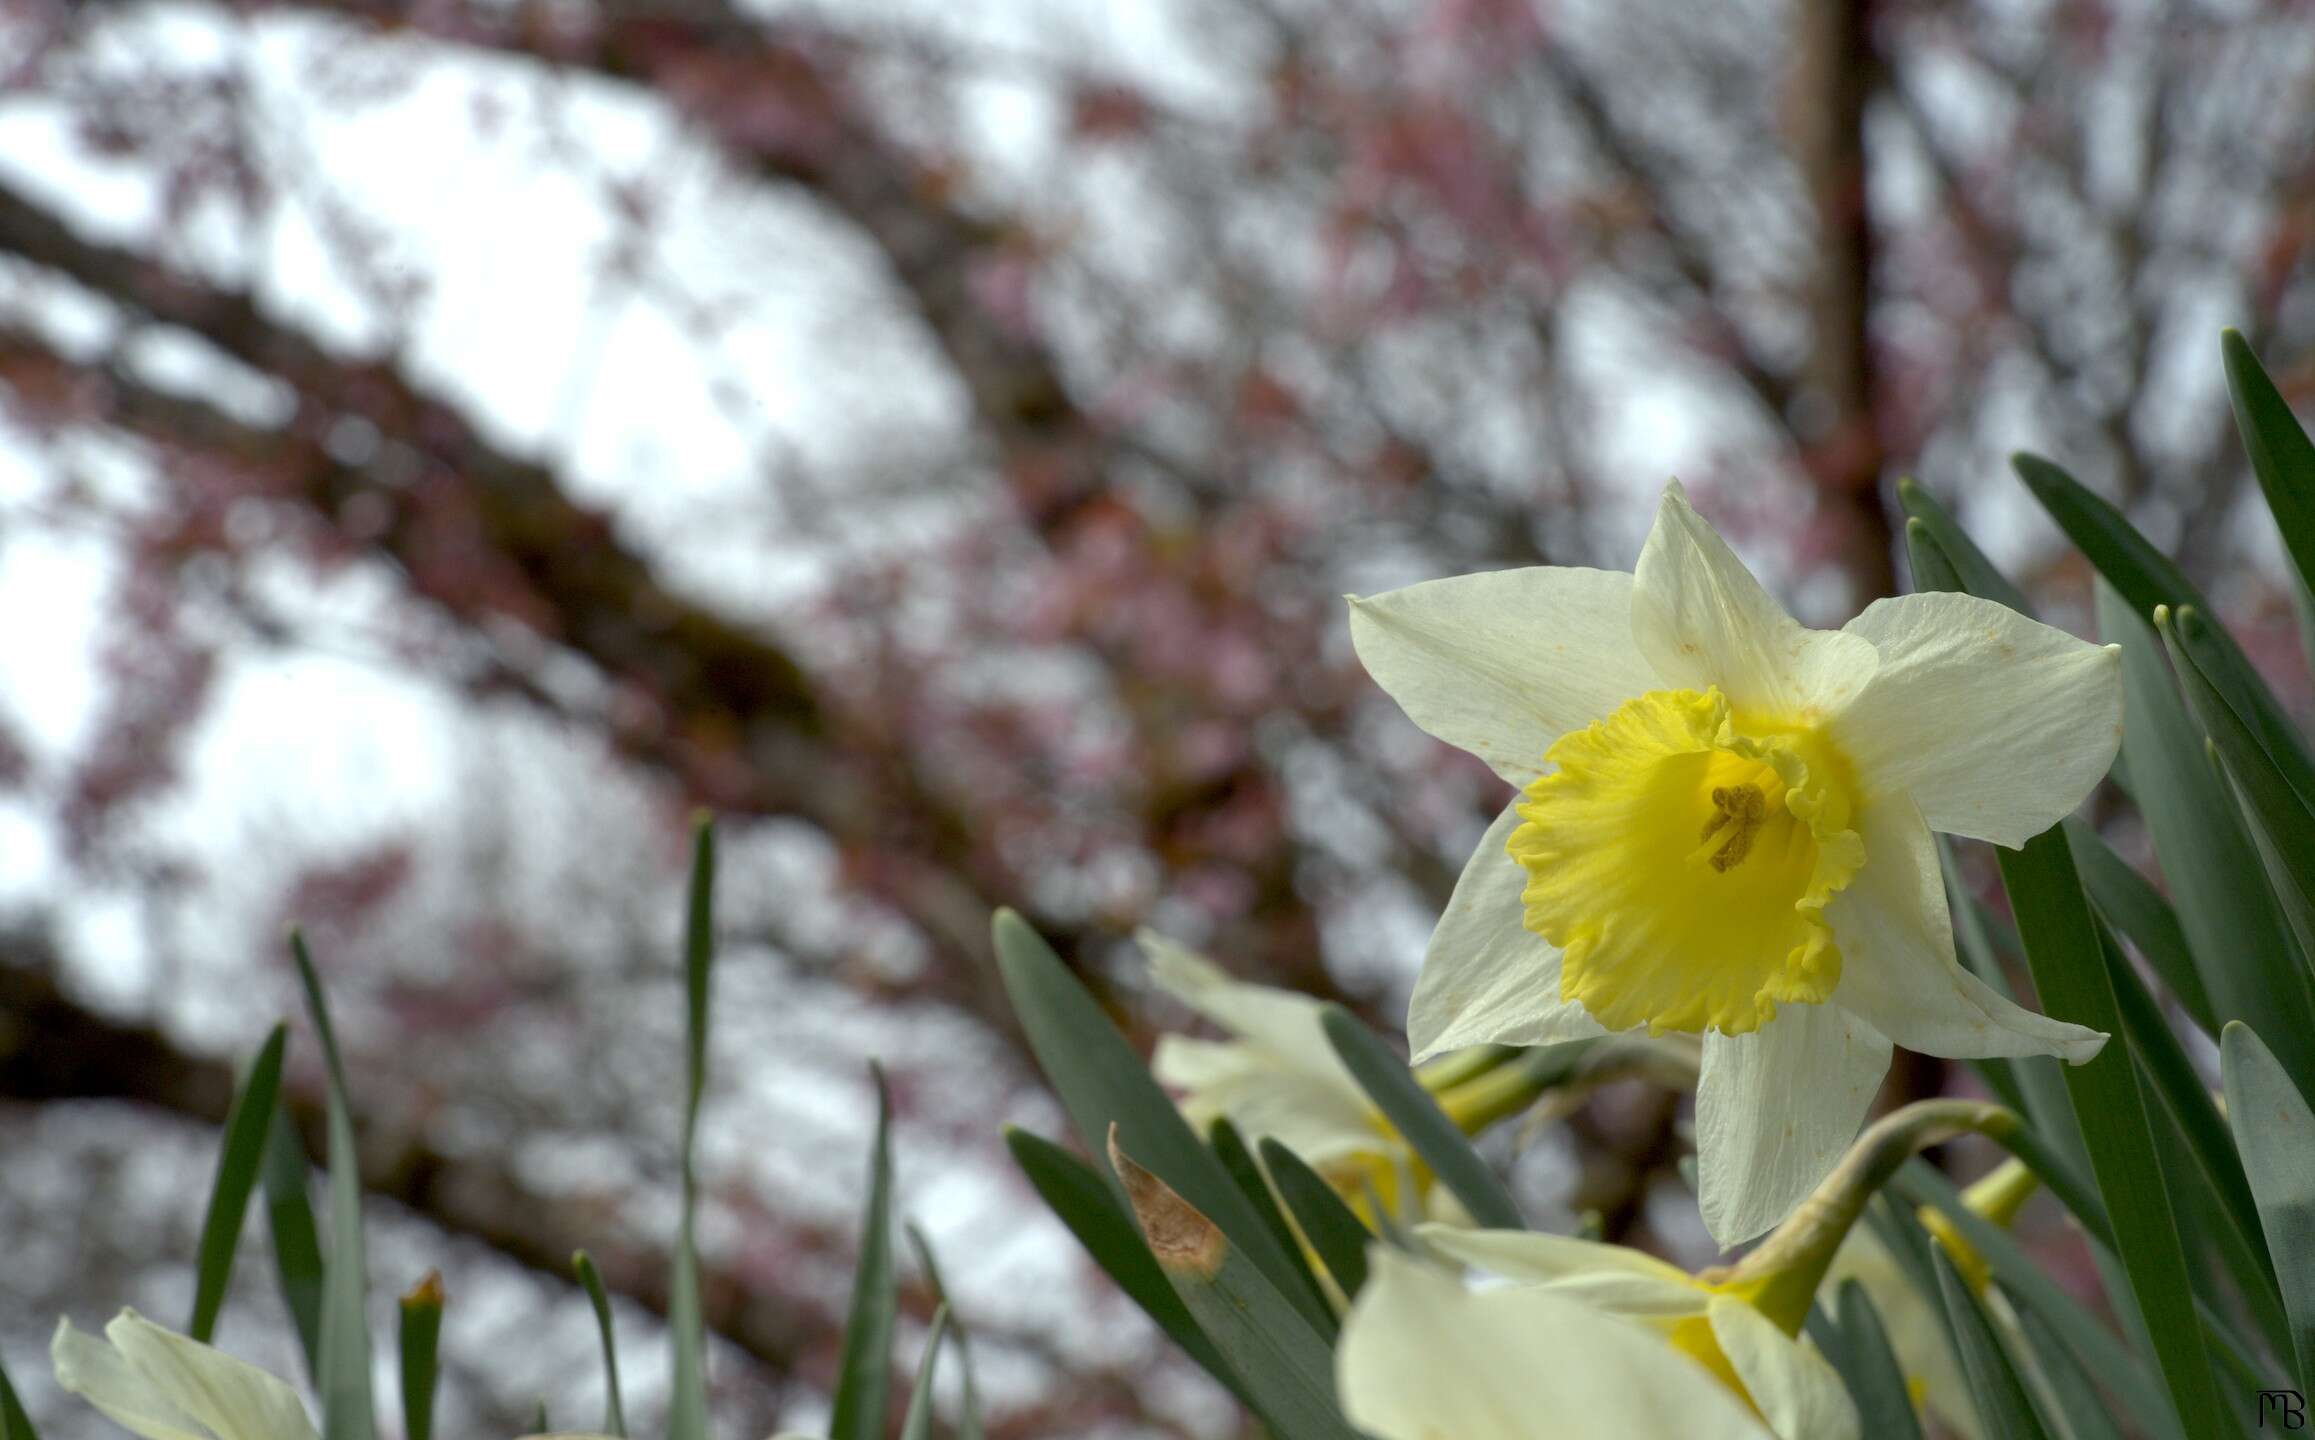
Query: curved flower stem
{"x": 1781, "y": 1275}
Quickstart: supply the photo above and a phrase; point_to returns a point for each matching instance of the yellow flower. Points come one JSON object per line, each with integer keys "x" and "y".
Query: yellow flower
{"x": 1723, "y": 828}
{"x": 164, "y": 1386}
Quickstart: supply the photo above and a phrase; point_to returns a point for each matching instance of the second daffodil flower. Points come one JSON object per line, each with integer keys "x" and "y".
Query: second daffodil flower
{"x": 1723, "y": 828}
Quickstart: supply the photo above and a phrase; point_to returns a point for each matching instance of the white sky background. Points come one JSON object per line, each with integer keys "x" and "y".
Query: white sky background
{"x": 314, "y": 751}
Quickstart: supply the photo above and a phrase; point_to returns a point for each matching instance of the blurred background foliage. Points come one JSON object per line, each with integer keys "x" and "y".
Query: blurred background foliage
{"x": 443, "y": 441}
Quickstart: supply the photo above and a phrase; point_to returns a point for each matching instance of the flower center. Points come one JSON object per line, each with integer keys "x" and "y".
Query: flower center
{"x": 1681, "y": 856}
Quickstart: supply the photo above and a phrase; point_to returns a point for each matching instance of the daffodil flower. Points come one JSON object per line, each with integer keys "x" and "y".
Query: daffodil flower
{"x": 1717, "y": 1325}
{"x": 1723, "y": 828}
{"x": 1277, "y": 1077}
{"x": 1422, "y": 1357}
{"x": 163, "y": 1386}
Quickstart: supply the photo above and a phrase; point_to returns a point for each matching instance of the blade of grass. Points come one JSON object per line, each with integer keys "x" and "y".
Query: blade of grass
{"x": 1417, "y": 1117}
{"x": 687, "y": 1404}
{"x": 917, "y": 1423}
{"x": 2275, "y": 1129}
{"x": 240, "y": 1158}
{"x": 1288, "y": 1367}
{"x": 1972, "y": 571}
{"x": 591, "y": 1280}
{"x": 1089, "y": 1205}
{"x": 1333, "y": 1231}
{"x": 297, "y": 1250}
{"x": 2002, "y": 1404}
{"x": 348, "y": 1411}
{"x": 969, "y": 1423}
{"x": 2138, "y": 910}
{"x": 1870, "y": 1369}
{"x": 2285, "y": 816}
{"x": 14, "y": 1423}
{"x": 2077, "y": 1399}
{"x": 864, "y": 1374}
{"x": 2233, "y": 928}
{"x": 1102, "y": 1081}
{"x": 2281, "y": 456}
{"x": 2147, "y": 578}
{"x": 2063, "y": 952}
{"x": 2100, "y": 1351}
{"x": 2178, "y": 1086}
{"x": 1230, "y": 1149}
{"x": 420, "y": 1335}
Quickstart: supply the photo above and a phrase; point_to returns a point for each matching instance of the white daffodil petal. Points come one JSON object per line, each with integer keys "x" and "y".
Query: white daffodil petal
{"x": 1504, "y": 663}
{"x": 234, "y": 1399}
{"x": 1183, "y": 1062}
{"x": 1997, "y": 725}
{"x": 1422, "y": 1358}
{"x": 1535, "y": 1258}
{"x": 1313, "y": 1117}
{"x": 96, "y": 1372}
{"x": 1898, "y": 969}
{"x": 1798, "y": 1392}
{"x": 1488, "y": 979}
{"x": 1702, "y": 620}
{"x": 1280, "y": 1021}
{"x": 1774, "y": 1110}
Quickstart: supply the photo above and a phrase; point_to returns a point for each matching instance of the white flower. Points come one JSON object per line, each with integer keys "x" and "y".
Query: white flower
{"x": 1421, "y": 1358}
{"x": 163, "y": 1386}
{"x": 1723, "y": 1327}
{"x": 1277, "y": 1078}
{"x": 1723, "y": 828}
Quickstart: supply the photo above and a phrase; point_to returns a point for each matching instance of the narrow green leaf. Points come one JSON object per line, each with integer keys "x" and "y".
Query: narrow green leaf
{"x": 2147, "y": 578}
{"x": 239, "y": 1159}
{"x": 1970, "y": 569}
{"x": 421, "y": 1334}
{"x": 1333, "y": 1231}
{"x": 2281, "y": 456}
{"x": 14, "y": 1423}
{"x": 1090, "y": 1206}
{"x": 2063, "y": 951}
{"x": 1869, "y": 1368}
{"x": 539, "y": 1425}
{"x": 297, "y": 1250}
{"x": 1101, "y": 1081}
{"x": 969, "y": 1423}
{"x": 2283, "y": 815}
{"x": 348, "y": 1411}
{"x": 2075, "y": 1397}
{"x": 2002, "y": 1404}
{"x": 916, "y": 1424}
{"x": 1290, "y": 1370}
{"x": 2058, "y": 933}
{"x": 2275, "y": 1130}
{"x": 591, "y": 1280}
{"x": 2225, "y": 908}
{"x": 864, "y": 1375}
{"x": 1230, "y": 1149}
{"x": 2101, "y": 1352}
{"x": 2138, "y": 910}
{"x": 687, "y": 1335}
{"x": 2179, "y": 1087}
{"x": 1417, "y": 1117}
